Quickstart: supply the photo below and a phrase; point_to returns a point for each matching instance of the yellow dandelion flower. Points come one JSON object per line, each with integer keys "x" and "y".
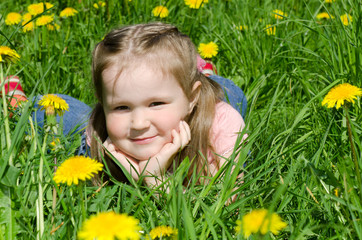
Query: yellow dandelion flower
{"x": 55, "y": 142}
{"x": 77, "y": 168}
{"x": 238, "y": 226}
{"x": 346, "y": 19}
{"x": 99, "y": 4}
{"x": 52, "y": 27}
{"x": 208, "y": 50}
{"x": 329, "y": 1}
{"x": 12, "y": 18}
{"x": 26, "y": 17}
{"x": 52, "y": 144}
{"x": 336, "y": 192}
{"x": 53, "y": 104}
{"x": 163, "y": 232}
{"x": 258, "y": 221}
{"x": 48, "y": 5}
{"x": 270, "y": 30}
{"x": 279, "y": 14}
{"x": 242, "y": 27}
{"x": 160, "y": 11}
{"x": 109, "y": 226}
{"x": 324, "y": 15}
{"x": 56, "y": 145}
{"x": 38, "y": 8}
{"x": 196, "y": 4}
{"x": 44, "y": 20}
{"x": 27, "y": 26}
{"x": 7, "y": 53}
{"x": 68, "y": 12}
{"x": 341, "y": 93}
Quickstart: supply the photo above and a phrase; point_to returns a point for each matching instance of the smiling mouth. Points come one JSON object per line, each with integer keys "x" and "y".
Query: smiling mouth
{"x": 143, "y": 140}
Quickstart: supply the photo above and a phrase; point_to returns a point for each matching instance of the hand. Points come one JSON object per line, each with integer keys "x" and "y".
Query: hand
{"x": 130, "y": 164}
{"x": 159, "y": 163}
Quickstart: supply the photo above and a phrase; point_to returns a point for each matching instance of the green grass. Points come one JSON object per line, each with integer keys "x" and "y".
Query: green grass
{"x": 299, "y": 150}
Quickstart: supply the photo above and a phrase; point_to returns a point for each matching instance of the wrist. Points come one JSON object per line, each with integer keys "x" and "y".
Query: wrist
{"x": 157, "y": 183}
{"x": 152, "y": 181}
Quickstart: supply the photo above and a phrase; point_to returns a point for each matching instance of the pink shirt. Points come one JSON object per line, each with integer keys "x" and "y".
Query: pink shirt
{"x": 227, "y": 125}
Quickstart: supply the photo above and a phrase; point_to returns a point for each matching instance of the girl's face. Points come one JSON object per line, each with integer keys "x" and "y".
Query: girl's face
{"x": 142, "y": 106}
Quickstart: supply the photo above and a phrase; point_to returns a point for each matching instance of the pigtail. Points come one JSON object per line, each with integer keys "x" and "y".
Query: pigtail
{"x": 200, "y": 121}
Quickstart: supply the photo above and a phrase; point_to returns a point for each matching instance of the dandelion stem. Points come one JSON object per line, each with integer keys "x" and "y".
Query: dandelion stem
{"x": 54, "y": 132}
{"x": 81, "y": 196}
{"x": 354, "y": 156}
{"x": 54, "y": 194}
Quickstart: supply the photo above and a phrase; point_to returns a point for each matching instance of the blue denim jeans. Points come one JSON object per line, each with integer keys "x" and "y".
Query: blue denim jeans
{"x": 233, "y": 94}
{"x": 76, "y": 119}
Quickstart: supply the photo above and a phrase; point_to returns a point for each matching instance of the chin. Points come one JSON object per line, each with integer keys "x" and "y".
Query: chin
{"x": 144, "y": 154}
{"x": 143, "y": 157}
{"x": 142, "y": 160}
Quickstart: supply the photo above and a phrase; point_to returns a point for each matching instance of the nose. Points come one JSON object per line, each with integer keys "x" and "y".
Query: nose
{"x": 140, "y": 120}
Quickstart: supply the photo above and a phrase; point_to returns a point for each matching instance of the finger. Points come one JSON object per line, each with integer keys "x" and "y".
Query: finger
{"x": 170, "y": 148}
{"x": 188, "y": 130}
{"x": 184, "y": 135}
{"x": 106, "y": 143}
{"x": 176, "y": 141}
{"x": 109, "y": 145}
{"x": 129, "y": 164}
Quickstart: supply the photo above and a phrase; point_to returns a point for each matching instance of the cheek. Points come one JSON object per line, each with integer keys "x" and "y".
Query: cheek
{"x": 167, "y": 122}
{"x": 115, "y": 127}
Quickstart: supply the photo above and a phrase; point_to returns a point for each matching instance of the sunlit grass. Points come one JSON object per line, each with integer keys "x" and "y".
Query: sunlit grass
{"x": 297, "y": 162}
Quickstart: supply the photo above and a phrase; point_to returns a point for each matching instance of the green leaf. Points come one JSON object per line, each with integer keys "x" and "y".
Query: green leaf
{"x": 10, "y": 176}
{"x": 325, "y": 175}
{"x": 6, "y": 212}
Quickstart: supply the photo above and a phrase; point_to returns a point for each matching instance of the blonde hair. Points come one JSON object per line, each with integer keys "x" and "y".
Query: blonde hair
{"x": 174, "y": 53}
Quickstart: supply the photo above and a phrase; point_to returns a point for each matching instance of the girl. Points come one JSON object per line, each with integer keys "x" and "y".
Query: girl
{"x": 155, "y": 106}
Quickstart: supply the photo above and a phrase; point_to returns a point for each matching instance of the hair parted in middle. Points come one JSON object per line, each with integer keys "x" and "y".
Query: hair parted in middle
{"x": 168, "y": 50}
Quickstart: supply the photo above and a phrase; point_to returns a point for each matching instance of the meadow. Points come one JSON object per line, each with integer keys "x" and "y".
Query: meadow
{"x": 301, "y": 160}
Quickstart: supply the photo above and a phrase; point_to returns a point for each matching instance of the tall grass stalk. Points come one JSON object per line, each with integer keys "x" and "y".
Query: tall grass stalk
{"x": 5, "y": 113}
{"x": 40, "y": 206}
{"x": 353, "y": 151}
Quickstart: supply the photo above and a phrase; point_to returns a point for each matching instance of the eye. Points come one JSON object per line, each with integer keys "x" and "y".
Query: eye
{"x": 122, "y": 108}
{"x": 155, "y": 104}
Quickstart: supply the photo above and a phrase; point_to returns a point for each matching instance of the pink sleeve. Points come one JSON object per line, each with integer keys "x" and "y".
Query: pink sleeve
{"x": 227, "y": 125}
